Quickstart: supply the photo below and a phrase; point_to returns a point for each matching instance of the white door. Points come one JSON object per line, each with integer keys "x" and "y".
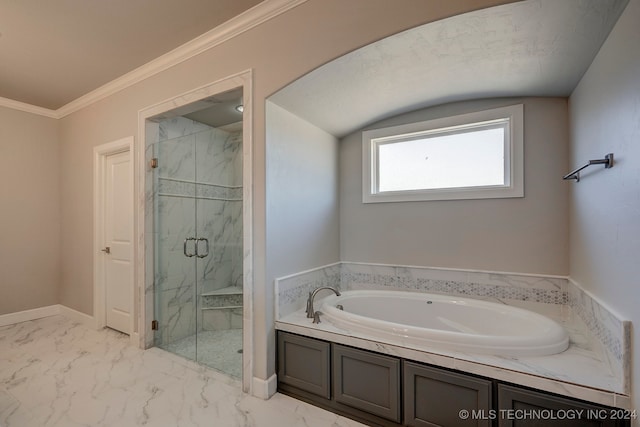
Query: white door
{"x": 118, "y": 232}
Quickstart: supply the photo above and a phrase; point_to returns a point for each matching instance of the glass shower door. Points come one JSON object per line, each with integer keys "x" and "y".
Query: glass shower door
{"x": 198, "y": 243}
{"x": 219, "y": 225}
{"x": 175, "y": 239}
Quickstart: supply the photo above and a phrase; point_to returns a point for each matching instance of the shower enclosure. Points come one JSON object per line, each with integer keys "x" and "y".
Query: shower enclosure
{"x": 197, "y": 217}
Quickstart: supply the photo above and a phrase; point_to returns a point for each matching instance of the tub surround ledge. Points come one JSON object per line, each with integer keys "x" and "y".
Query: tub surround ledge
{"x": 594, "y": 368}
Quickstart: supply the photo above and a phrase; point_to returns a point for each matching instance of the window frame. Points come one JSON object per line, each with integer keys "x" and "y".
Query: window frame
{"x": 513, "y": 149}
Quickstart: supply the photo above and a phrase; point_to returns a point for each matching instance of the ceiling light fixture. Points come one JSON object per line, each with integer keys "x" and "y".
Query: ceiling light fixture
{"x": 240, "y": 108}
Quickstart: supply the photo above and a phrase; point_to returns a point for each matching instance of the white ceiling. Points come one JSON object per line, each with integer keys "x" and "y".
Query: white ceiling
{"x": 54, "y": 51}
{"x": 529, "y": 48}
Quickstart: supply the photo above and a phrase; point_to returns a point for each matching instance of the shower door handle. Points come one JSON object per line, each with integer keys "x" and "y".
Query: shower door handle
{"x": 184, "y": 247}
{"x": 206, "y": 246}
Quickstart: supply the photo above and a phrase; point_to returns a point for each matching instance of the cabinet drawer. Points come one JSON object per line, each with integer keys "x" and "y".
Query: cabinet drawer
{"x": 435, "y": 397}
{"x": 304, "y": 363}
{"x": 367, "y": 381}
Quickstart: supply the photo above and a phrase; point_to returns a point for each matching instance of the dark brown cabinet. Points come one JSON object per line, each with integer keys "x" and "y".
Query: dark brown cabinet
{"x": 382, "y": 390}
{"x": 304, "y": 363}
{"x": 519, "y": 407}
{"x": 434, "y": 397}
{"x": 367, "y": 381}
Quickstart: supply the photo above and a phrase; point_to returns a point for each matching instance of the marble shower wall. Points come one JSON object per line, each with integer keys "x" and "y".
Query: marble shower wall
{"x": 198, "y": 193}
{"x": 219, "y": 213}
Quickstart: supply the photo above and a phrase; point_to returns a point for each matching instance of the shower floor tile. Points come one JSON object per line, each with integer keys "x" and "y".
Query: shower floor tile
{"x": 220, "y": 350}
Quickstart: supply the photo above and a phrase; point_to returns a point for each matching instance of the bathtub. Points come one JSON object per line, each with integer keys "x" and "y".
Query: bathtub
{"x": 445, "y": 322}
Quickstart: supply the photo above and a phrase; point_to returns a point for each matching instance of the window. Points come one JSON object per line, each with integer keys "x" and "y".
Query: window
{"x": 471, "y": 156}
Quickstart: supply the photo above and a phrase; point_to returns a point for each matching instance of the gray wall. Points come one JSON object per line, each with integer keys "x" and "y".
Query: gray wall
{"x": 524, "y": 235}
{"x": 303, "y": 228}
{"x": 605, "y": 204}
{"x": 30, "y": 194}
{"x": 302, "y": 212}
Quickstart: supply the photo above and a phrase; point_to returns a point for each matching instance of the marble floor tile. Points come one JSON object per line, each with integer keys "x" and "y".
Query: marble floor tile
{"x": 54, "y": 372}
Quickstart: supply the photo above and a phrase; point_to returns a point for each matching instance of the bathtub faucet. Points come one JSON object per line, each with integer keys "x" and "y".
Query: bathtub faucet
{"x": 311, "y": 313}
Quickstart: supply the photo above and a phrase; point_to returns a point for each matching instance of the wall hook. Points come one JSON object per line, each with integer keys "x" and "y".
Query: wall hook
{"x": 607, "y": 162}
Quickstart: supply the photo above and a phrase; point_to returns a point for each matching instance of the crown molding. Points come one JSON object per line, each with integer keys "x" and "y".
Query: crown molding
{"x": 260, "y": 13}
{"x": 28, "y": 108}
{"x": 247, "y": 20}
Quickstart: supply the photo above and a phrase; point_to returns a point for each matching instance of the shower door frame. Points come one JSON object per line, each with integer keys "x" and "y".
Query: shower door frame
{"x": 144, "y": 271}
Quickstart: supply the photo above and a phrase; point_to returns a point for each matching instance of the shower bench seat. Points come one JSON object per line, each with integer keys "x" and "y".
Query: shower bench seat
{"x": 222, "y": 308}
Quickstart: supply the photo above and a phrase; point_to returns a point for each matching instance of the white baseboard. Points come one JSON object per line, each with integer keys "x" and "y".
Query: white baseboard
{"x": 264, "y": 389}
{"x": 50, "y": 310}
{"x": 26, "y": 315}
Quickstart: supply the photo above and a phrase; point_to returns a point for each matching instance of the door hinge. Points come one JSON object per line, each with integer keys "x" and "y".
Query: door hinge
{"x": 154, "y": 163}
{"x": 154, "y": 325}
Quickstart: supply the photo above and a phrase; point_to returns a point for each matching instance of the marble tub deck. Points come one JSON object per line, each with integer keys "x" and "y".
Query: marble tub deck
{"x": 54, "y": 372}
{"x": 584, "y": 371}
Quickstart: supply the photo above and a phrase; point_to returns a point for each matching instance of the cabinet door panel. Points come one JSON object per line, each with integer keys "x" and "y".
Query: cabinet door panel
{"x": 435, "y": 397}
{"x": 523, "y": 402}
{"x": 304, "y": 363}
{"x": 367, "y": 381}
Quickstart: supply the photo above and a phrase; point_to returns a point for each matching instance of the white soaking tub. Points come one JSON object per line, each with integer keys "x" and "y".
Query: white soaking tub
{"x": 445, "y": 322}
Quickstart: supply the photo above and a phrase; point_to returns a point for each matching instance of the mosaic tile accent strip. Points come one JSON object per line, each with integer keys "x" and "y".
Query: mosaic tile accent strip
{"x": 214, "y": 301}
{"x": 293, "y": 291}
{"x": 173, "y": 187}
{"x": 212, "y": 191}
{"x": 547, "y": 296}
{"x": 549, "y": 290}
{"x": 198, "y": 190}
